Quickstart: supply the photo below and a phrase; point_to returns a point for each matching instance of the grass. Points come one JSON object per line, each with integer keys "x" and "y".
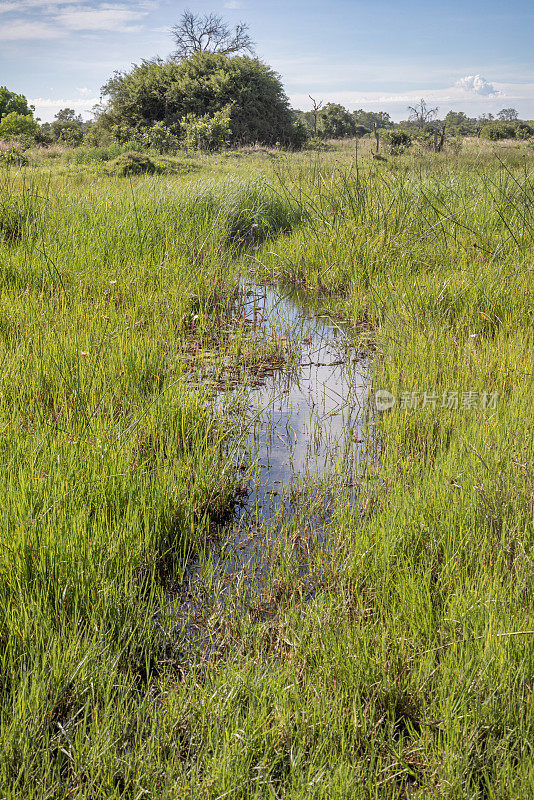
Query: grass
{"x": 408, "y": 671}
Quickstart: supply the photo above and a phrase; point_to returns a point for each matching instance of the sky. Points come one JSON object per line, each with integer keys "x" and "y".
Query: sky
{"x": 379, "y": 55}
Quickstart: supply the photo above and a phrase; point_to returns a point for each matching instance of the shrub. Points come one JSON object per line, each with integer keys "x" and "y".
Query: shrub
{"x": 315, "y": 143}
{"x": 133, "y": 163}
{"x": 162, "y": 138}
{"x": 207, "y": 132}
{"x": 498, "y": 130}
{"x": 88, "y": 155}
{"x": 13, "y": 156}
{"x": 524, "y": 130}
{"x": 71, "y": 135}
{"x": 396, "y": 141}
{"x": 204, "y": 84}
{"x": 335, "y": 122}
{"x": 299, "y": 136}
{"x": 15, "y": 124}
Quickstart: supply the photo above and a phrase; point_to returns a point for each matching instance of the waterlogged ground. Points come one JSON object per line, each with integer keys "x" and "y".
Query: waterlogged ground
{"x": 307, "y": 445}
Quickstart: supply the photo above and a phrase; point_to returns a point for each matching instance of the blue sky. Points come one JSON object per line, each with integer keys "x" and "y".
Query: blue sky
{"x": 471, "y": 56}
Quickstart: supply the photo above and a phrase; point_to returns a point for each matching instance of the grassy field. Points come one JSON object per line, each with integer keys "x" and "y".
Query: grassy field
{"x": 410, "y": 672}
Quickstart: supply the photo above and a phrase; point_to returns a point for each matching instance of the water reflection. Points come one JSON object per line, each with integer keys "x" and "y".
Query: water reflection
{"x": 306, "y": 420}
{"x": 306, "y": 432}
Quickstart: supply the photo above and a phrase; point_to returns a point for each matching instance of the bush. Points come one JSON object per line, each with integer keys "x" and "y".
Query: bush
{"x": 524, "y": 131}
{"x": 13, "y": 156}
{"x": 133, "y": 163}
{"x": 498, "y": 130}
{"x": 315, "y": 143}
{"x": 15, "y": 124}
{"x": 207, "y": 132}
{"x": 335, "y": 122}
{"x": 396, "y": 141}
{"x": 204, "y": 84}
{"x": 70, "y": 134}
{"x": 88, "y": 155}
{"x": 299, "y": 136}
{"x": 162, "y": 138}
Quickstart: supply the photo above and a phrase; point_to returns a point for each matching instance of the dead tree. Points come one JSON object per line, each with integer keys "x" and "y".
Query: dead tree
{"x": 439, "y": 138}
{"x": 421, "y": 114}
{"x": 377, "y": 136}
{"x": 315, "y": 111}
{"x": 197, "y": 33}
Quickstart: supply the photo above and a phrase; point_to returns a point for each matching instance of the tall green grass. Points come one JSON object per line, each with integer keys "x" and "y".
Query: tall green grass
{"x": 407, "y": 671}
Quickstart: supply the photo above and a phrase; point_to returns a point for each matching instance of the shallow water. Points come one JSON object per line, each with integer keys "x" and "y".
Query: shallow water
{"x": 307, "y": 434}
{"x": 307, "y": 421}
{"x": 307, "y": 439}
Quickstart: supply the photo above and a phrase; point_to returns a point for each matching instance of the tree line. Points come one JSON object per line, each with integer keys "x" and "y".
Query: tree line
{"x": 213, "y": 92}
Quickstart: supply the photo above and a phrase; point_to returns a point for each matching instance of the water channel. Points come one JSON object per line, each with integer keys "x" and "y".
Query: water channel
{"x": 308, "y": 439}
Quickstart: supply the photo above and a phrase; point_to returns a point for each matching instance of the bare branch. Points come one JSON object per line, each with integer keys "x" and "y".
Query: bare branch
{"x": 421, "y": 114}
{"x": 315, "y": 111}
{"x": 197, "y": 33}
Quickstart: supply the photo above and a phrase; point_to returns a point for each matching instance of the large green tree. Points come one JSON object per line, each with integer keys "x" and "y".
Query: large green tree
{"x": 11, "y": 102}
{"x": 335, "y": 122}
{"x": 368, "y": 119}
{"x": 204, "y": 84}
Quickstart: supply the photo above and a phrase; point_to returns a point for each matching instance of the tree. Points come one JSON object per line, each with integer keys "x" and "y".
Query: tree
{"x": 498, "y": 130}
{"x": 507, "y": 115}
{"x": 335, "y": 122}
{"x": 459, "y": 123}
{"x": 68, "y": 115}
{"x": 315, "y": 112}
{"x": 420, "y": 114}
{"x": 67, "y": 127}
{"x": 204, "y": 84}
{"x": 197, "y": 33}
{"x": 12, "y": 102}
{"x": 370, "y": 119}
{"x": 14, "y": 124}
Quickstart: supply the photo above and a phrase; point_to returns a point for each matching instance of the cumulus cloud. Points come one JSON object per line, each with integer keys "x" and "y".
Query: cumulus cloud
{"x": 476, "y": 84}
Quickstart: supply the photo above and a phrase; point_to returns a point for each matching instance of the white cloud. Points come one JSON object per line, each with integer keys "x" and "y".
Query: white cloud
{"x": 478, "y": 85}
{"x": 233, "y": 4}
{"x": 520, "y": 95}
{"x": 106, "y": 17}
{"x": 25, "y": 5}
{"x": 21, "y": 29}
{"x": 56, "y": 17}
{"x": 47, "y": 107}
{"x": 78, "y": 102}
